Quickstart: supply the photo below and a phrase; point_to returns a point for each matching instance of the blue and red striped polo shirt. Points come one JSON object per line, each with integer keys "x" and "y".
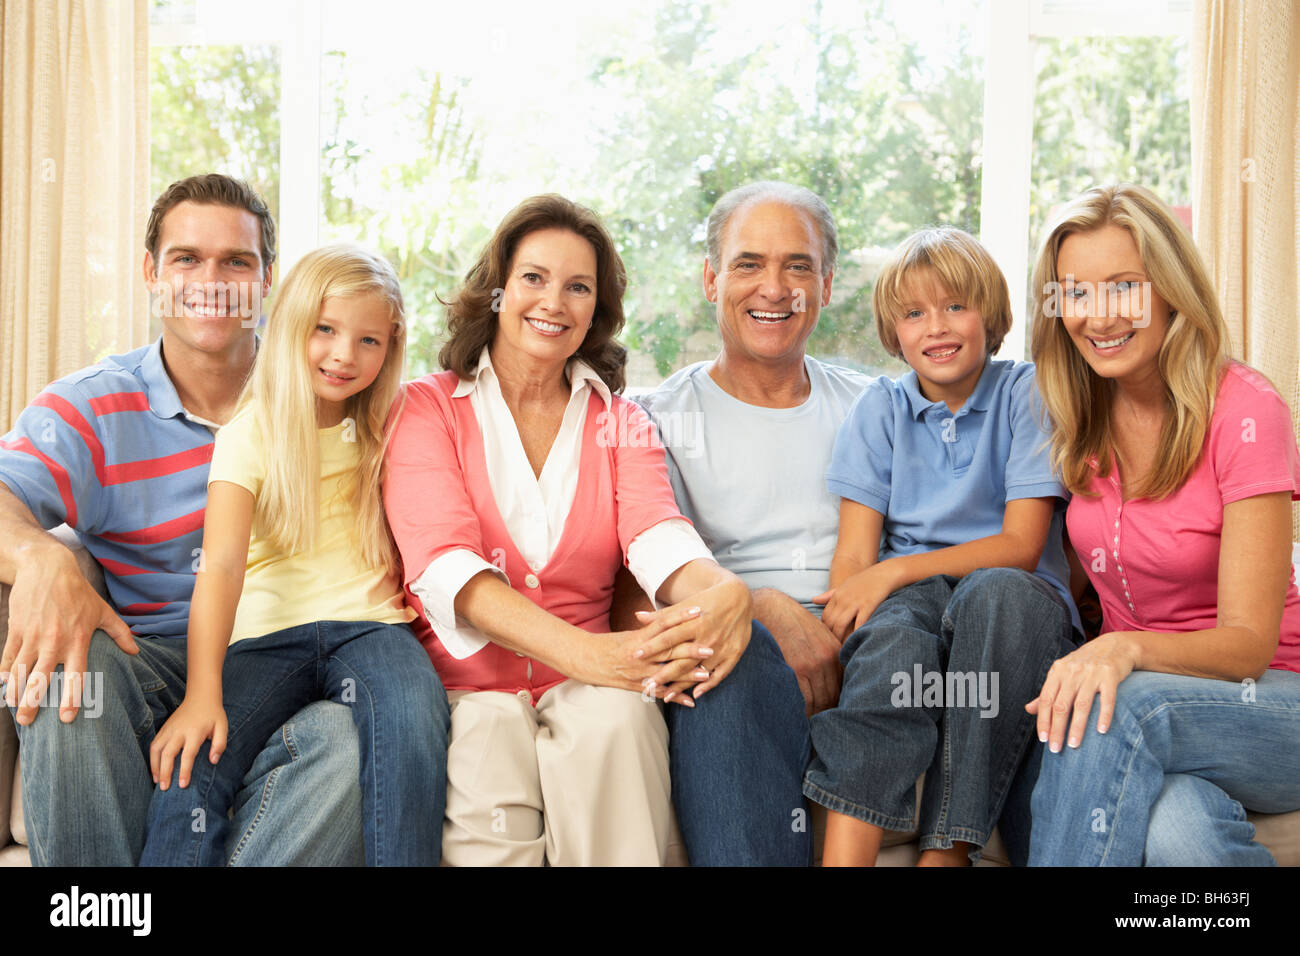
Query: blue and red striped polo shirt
{"x": 110, "y": 451}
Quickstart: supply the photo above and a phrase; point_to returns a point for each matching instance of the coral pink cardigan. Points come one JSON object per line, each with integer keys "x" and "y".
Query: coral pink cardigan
{"x": 438, "y": 497}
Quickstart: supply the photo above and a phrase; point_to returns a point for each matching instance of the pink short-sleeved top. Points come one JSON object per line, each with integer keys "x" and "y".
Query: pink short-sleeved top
{"x": 1155, "y": 564}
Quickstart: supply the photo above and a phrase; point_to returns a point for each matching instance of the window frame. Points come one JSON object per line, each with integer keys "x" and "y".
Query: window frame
{"x": 1014, "y": 27}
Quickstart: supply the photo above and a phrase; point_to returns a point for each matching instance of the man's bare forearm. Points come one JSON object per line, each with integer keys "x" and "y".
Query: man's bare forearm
{"x": 22, "y": 539}
{"x": 772, "y": 609}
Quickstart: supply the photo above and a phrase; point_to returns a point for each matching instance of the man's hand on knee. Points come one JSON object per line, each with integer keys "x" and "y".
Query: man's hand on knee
{"x": 53, "y": 611}
{"x": 810, "y": 649}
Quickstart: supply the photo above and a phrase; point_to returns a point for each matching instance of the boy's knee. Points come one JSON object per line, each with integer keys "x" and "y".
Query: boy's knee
{"x": 997, "y": 577}
{"x": 1021, "y": 604}
{"x": 999, "y": 587}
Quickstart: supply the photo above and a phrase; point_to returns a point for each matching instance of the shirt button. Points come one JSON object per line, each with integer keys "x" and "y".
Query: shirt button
{"x": 1115, "y": 554}
{"x": 531, "y": 581}
{"x": 525, "y": 695}
{"x": 519, "y": 653}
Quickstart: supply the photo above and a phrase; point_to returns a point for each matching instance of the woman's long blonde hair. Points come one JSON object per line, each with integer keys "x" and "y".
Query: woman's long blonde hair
{"x": 1191, "y": 358}
{"x": 284, "y": 403}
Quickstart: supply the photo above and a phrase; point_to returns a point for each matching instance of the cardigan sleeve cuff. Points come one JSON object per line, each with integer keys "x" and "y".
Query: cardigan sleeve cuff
{"x": 660, "y": 550}
{"x": 437, "y": 588}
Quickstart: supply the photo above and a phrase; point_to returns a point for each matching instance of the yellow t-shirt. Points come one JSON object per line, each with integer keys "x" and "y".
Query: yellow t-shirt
{"x": 331, "y": 582}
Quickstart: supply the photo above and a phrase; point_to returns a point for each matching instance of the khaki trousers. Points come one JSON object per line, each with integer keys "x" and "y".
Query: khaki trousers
{"x": 580, "y": 780}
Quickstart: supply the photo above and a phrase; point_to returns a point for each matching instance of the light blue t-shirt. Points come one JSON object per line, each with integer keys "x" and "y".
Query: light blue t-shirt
{"x": 751, "y": 479}
{"x": 942, "y": 479}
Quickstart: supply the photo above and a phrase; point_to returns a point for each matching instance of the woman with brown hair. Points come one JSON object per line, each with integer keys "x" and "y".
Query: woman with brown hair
{"x": 519, "y": 482}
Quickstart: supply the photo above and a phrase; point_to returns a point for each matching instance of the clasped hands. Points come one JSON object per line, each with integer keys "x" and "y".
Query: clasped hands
{"x": 683, "y": 651}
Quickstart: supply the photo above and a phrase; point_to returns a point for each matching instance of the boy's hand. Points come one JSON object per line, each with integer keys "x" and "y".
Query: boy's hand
{"x": 850, "y": 605}
{"x": 194, "y": 721}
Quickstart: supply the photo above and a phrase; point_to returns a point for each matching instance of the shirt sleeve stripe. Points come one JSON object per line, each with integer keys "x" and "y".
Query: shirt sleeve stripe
{"x": 157, "y": 467}
{"x": 144, "y": 608}
{"x": 122, "y": 570}
{"x": 68, "y": 412}
{"x": 57, "y": 472}
{"x": 120, "y": 402}
{"x": 159, "y": 533}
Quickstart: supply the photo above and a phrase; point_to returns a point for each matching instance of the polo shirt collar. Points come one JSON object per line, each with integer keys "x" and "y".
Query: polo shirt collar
{"x": 580, "y": 376}
{"x": 158, "y": 385}
{"x": 977, "y": 402}
{"x": 161, "y": 390}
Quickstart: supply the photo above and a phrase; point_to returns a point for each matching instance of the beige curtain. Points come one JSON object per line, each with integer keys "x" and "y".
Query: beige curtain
{"x": 1245, "y": 96}
{"x": 74, "y": 183}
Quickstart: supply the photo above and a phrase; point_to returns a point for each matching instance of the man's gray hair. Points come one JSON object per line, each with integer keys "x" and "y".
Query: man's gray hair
{"x": 771, "y": 191}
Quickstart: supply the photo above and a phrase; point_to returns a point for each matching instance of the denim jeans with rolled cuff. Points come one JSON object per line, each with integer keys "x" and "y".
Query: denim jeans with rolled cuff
{"x": 955, "y": 633}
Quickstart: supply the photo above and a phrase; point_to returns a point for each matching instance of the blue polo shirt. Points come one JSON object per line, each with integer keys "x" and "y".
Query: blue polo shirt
{"x": 110, "y": 451}
{"x": 942, "y": 479}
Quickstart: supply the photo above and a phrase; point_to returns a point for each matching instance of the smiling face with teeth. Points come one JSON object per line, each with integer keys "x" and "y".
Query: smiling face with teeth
{"x": 208, "y": 278}
{"x": 768, "y": 286}
{"x": 346, "y": 350}
{"x": 942, "y": 338}
{"x": 548, "y": 301}
{"x": 1114, "y": 342}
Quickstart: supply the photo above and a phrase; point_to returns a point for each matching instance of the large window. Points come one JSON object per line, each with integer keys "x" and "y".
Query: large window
{"x": 414, "y": 129}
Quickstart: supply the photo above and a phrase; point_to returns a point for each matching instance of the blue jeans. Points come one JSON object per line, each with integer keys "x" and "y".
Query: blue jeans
{"x": 1166, "y": 784}
{"x": 300, "y": 802}
{"x": 736, "y": 762}
{"x": 919, "y": 697}
{"x": 396, "y": 702}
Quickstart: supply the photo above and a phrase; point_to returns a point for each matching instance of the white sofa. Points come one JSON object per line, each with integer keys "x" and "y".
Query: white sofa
{"x": 1279, "y": 832}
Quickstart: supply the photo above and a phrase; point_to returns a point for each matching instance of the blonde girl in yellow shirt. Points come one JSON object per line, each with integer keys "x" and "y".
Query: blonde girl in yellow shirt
{"x": 297, "y": 597}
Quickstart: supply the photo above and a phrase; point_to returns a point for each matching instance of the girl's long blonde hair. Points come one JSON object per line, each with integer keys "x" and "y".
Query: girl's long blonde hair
{"x": 284, "y": 404}
{"x": 1191, "y": 359}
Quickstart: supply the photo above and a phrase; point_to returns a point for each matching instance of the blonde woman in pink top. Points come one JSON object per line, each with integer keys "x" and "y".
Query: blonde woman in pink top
{"x": 1183, "y": 465}
{"x": 519, "y": 482}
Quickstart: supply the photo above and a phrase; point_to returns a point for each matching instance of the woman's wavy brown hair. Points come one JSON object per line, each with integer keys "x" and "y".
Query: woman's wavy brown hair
{"x": 472, "y": 312}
